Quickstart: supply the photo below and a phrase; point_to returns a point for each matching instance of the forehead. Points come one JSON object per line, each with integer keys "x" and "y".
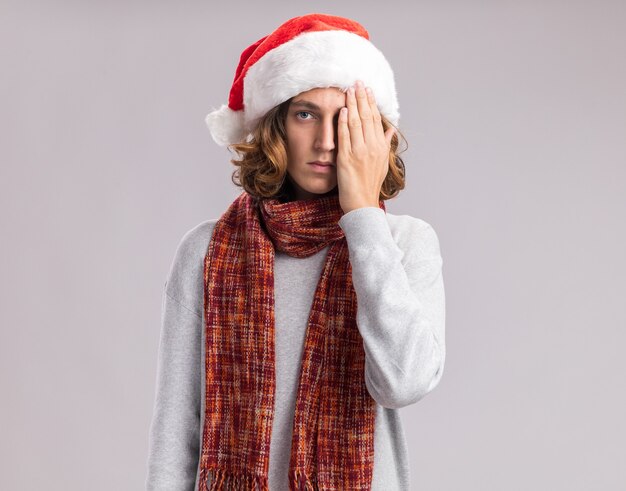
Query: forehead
{"x": 320, "y": 97}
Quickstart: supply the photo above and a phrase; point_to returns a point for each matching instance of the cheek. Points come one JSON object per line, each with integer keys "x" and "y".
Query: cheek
{"x": 296, "y": 142}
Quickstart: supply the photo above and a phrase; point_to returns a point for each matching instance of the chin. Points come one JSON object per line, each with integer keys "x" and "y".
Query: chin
{"x": 321, "y": 190}
{"x": 316, "y": 187}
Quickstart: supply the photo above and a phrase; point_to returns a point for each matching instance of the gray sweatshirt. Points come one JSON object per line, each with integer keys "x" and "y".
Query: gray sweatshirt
{"x": 397, "y": 276}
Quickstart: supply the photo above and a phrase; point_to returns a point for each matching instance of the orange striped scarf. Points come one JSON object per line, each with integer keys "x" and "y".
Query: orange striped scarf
{"x": 332, "y": 445}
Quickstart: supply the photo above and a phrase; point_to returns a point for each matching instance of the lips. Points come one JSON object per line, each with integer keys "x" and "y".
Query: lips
{"x": 320, "y": 163}
{"x": 322, "y": 167}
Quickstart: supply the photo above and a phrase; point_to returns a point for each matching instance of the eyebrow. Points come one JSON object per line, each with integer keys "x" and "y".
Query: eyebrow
{"x": 308, "y": 105}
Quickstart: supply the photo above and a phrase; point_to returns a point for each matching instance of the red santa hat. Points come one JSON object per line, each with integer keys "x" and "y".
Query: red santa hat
{"x": 306, "y": 52}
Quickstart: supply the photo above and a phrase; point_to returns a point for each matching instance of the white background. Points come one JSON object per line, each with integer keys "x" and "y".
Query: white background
{"x": 515, "y": 114}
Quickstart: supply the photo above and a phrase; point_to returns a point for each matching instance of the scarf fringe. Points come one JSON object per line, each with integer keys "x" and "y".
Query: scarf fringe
{"x": 224, "y": 480}
{"x": 300, "y": 481}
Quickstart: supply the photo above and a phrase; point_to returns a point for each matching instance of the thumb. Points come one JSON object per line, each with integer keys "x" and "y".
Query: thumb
{"x": 389, "y": 134}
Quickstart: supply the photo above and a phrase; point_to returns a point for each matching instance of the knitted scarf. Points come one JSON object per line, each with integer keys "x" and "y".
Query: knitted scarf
{"x": 332, "y": 446}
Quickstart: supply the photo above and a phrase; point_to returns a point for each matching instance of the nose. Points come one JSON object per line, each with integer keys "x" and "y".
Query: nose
{"x": 326, "y": 140}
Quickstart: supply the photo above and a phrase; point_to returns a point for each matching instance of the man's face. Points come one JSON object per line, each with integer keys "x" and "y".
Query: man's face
{"x": 311, "y": 127}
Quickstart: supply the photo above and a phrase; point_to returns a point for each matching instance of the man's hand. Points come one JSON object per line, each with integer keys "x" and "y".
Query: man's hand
{"x": 363, "y": 155}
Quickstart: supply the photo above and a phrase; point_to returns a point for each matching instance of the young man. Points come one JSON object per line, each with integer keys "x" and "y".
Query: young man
{"x": 296, "y": 324}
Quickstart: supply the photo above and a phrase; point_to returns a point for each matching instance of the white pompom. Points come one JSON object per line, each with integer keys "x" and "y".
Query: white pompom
{"x": 226, "y": 126}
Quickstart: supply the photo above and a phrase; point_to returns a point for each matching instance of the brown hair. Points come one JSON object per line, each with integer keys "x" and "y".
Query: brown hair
{"x": 262, "y": 164}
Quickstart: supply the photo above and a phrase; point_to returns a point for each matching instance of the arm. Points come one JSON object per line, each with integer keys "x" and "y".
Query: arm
{"x": 174, "y": 431}
{"x": 401, "y": 305}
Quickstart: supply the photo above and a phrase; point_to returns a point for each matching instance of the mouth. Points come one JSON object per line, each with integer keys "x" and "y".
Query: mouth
{"x": 320, "y": 163}
{"x": 322, "y": 167}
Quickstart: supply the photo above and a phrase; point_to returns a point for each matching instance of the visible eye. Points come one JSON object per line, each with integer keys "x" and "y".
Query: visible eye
{"x": 302, "y": 112}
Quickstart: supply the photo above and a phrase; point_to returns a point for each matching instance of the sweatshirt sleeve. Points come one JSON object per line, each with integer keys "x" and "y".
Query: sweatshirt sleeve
{"x": 400, "y": 304}
{"x": 174, "y": 431}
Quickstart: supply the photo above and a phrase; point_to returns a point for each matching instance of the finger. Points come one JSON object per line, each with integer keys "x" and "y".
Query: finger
{"x": 354, "y": 121}
{"x": 379, "y": 130}
{"x": 343, "y": 132}
{"x": 365, "y": 114}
